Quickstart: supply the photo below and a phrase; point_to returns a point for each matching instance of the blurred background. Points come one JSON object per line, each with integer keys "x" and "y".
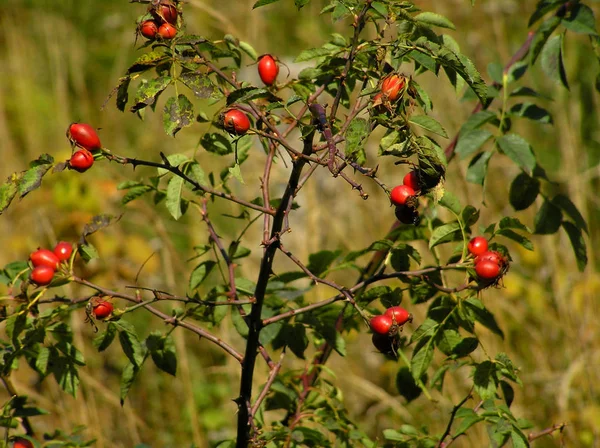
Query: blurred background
{"x": 60, "y": 60}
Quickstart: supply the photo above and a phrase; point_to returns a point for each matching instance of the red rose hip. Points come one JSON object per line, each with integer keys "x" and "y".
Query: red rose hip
{"x": 167, "y": 31}
{"x": 84, "y": 135}
{"x": 22, "y": 443}
{"x": 398, "y": 315}
{"x": 487, "y": 269}
{"x": 268, "y": 69}
{"x": 63, "y": 250}
{"x": 235, "y": 121}
{"x": 42, "y": 275}
{"x": 477, "y": 246}
{"x": 492, "y": 256}
{"x": 148, "y": 29}
{"x": 411, "y": 180}
{"x": 81, "y": 160}
{"x": 381, "y": 324}
{"x": 166, "y": 12}
{"x": 400, "y": 194}
{"x": 102, "y": 309}
{"x": 44, "y": 257}
{"x": 392, "y": 87}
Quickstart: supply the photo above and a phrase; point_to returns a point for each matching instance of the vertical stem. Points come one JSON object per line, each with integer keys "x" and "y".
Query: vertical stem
{"x": 254, "y": 320}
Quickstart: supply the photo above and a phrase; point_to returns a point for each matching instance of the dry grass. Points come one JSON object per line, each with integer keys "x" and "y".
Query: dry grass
{"x": 59, "y": 63}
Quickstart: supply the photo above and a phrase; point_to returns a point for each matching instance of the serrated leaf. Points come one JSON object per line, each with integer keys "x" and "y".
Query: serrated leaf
{"x": 508, "y": 233}
{"x": 103, "y": 341}
{"x": 216, "y": 143}
{"x": 130, "y": 343}
{"x": 524, "y": 190}
{"x": 42, "y": 360}
{"x": 578, "y": 244}
{"x": 547, "y": 219}
{"x": 431, "y": 18}
{"x": 198, "y": 83}
{"x": 421, "y": 359}
{"x": 531, "y": 111}
{"x": 580, "y": 20}
{"x": 98, "y": 222}
{"x": 478, "y": 167}
{"x": 484, "y": 380}
{"x": 8, "y": 191}
{"x": 87, "y": 252}
{"x": 429, "y": 124}
{"x": 148, "y": 91}
{"x": 200, "y": 273}
{"x": 443, "y": 234}
{"x": 178, "y": 114}
{"x": 32, "y": 178}
{"x": 552, "y": 60}
{"x": 482, "y": 315}
{"x": 356, "y": 137}
{"x": 518, "y": 150}
{"x": 130, "y": 372}
{"x": 408, "y": 388}
{"x": 567, "y": 206}
{"x": 162, "y": 351}
{"x": 135, "y": 192}
{"x": 468, "y": 418}
{"x": 174, "y": 160}
{"x": 469, "y": 216}
{"x": 470, "y": 141}
{"x": 236, "y": 172}
{"x": 173, "y": 202}
{"x": 246, "y": 94}
{"x": 509, "y": 222}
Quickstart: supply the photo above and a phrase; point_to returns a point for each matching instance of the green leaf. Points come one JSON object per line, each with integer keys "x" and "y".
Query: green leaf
{"x": 518, "y": 439}
{"x": 200, "y": 273}
{"x": 178, "y": 114}
{"x": 260, "y": 3}
{"x": 431, "y": 18}
{"x": 32, "y": 178}
{"x": 478, "y": 311}
{"x": 8, "y": 191}
{"x": 421, "y": 359}
{"x": 532, "y": 112}
{"x": 451, "y": 202}
{"x": 552, "y": 60}
{"x": 249, "y": 50}
{"x": 547, "y": 219}
{"x": 468, "y": 418}
{"x": 356, "y": 137}
{"x": 246, "y": 94}
{"x": 469, "y": 216}
{"x": 216, "y": 143}
{"x": 524, "y": 190}
{"x": 135, "y": 192}
{"x": 526, "y": 243}
{"x": 443, "y": 234}
{"x": 541, "y": 37}
{"x": 42, "y": 360}
{"x": 477, "y": 120}
{"x": 470, "y": 141}
{"x": 294, "y": 337}
{"x": 236, "y": 172}
{"x": 581, "y": 20}
{"x": 319, "y": 262}
{"x": 518, "y": 150}
{"x": 425, "y": 330}
{"x": 570, "y": 209}
{"x": 513, "y": 223}
{"x": 148, "y": 92}
{"x": 484, "y": 380}
{"x": 429, "y": 124}
{"x": 200, "y": 84}
{"x": 128, "y": 376}
{"x": 103, "y": 341}
{"x": 313, "y": 53}
{"x": 163, "y": 353}
{"x": 88, "y": 252}
{"x": 477, "y": 171}
{"x": 130, "y": 343}
{"x": 406, "y": 385}
{"x": 578, "y": 243}
{"x": 173, "y": 203}
{"x": 174, "y": 160}
{"x": 195, "y": 172}
{"x": 66, "y": 375}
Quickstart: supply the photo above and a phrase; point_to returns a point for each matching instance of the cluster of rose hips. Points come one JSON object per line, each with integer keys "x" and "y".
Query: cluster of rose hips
{"x": 45, "y": 262}
{"x": 85, "y": 138}
{"x": 404, "y": 197}
{"x": 163, "y": 23}
{"x": 233, "y": 120}
{"x": 385, "y": 327}
{"x": 489, "y": 265}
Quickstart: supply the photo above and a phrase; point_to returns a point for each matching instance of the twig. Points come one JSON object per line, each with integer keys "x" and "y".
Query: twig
{"x": 268, "y": 384}
{"x": 536, "y": 435}
{"x": 165, "y": 317}
{"x": 455, "y": 409}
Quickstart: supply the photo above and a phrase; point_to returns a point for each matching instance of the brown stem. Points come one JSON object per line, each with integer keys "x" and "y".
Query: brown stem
{"x": 455, "y": 409}
{"x": 536, "y": 435}
{"x": 268, "y": 384}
